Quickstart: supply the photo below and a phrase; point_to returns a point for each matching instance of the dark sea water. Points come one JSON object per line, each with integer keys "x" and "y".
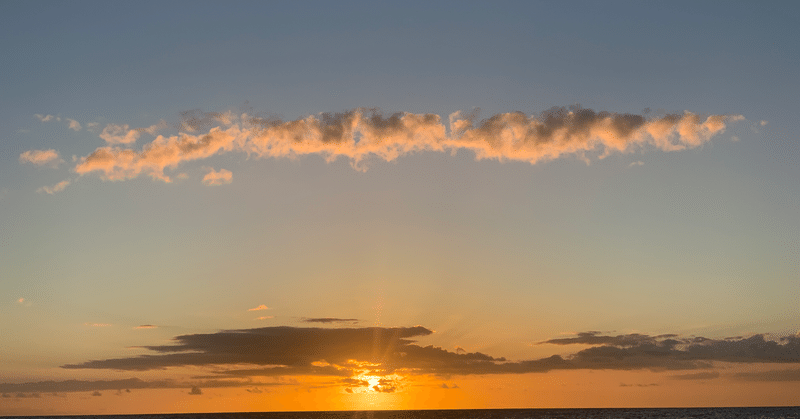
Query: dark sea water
{"x": 698, "y": 413}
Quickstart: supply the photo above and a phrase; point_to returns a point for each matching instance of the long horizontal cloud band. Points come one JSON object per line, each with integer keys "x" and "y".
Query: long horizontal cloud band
{"x": 359, "y": 134}
{"x": 338, "y": 352}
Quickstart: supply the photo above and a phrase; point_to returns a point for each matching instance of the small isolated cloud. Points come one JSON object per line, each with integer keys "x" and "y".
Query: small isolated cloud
{"x": 44, "y": 118}
{"x": 451, "y": 386}
{"x": 763, "y": 122}
{"x": 146, "y": 326}
{"x": 328, "y": 320}
{"x": 254, "y": 390}
{"x": 638, "y": 385}
{"x": 97, "y": 324}
{"x": 97, "y": 394}
{"x": 214, "y": 178}
{"x": 265, "y": 317}
{"x": 196, "y": 391}
{"x": 636, "y": 163}
{"x": 91, "y": 126}
{"x": 261, "y": 307}
{"x": 119, "y": 134}
{"x": 21, "y": 300}
{"x": 74, "y": 125}
{"x": 41, "y": 157}
{"x": 58, "y": 187}
{"x": 735, "y": 139}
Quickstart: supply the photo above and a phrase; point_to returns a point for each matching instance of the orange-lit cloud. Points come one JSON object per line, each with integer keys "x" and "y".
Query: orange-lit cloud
{"x": 44, "y": 118}
{"x": 220, "y": 177}
{"x": 97, "y": 324}
{"x": 74, "y": 125}
{"x": 40, "y": 157}
{"x": 261, "y": 307}
{"x": 119, "y": 134}
{"x": 361, "y": 134}
{"x": 146, "y": 326}
{"x": 58, "y": 187}
{"x": 264, "y": 317}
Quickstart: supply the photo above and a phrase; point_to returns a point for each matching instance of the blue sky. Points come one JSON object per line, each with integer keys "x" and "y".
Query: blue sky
{"x": 494, "y": 255}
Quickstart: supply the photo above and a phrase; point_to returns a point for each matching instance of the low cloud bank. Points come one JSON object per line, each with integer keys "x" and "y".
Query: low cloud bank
{"x": 287, "y": 350}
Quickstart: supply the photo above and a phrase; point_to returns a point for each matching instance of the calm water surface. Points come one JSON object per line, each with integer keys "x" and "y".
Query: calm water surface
{"x": 709, "y": 413}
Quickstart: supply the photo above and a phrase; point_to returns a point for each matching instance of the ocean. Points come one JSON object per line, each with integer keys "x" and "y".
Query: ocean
{"x": 673, "y": 413}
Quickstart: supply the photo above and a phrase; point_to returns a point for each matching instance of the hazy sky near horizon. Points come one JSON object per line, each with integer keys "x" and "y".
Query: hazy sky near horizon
{"x": 275, "y": 206}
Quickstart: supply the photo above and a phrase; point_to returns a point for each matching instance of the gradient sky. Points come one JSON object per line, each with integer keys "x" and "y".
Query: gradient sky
{"x": 279, "y": 206}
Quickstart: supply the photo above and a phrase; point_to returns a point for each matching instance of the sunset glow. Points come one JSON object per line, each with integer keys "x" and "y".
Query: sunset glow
{"x": 269, "y": 206}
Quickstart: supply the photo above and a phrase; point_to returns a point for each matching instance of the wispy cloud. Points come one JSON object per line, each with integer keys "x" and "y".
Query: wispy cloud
{"x": 361, "y": 134}
{"x": 41, "y": 157}
{"x": 775, "y": 375}
{"x": 328, "y": 320}
{"x": 260, "y": 307}
{"x": 146, "y": 326}
{"x": 705, "y": 375}
{"x": 58, "y": 187}
{"x": 264, "y": 317}
{"x": 97, "y": 324}
{"x": 221, "y": 177}
{"x": 44, "y": 118}
{"x": 126, "y": 384}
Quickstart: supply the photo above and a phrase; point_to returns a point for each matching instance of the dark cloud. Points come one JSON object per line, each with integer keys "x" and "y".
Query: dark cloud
{"x": 775, "y": 375}
{"x": 282, "y": 346}
{"x": 328, "y": 320}
{"x": 287, "y": 351}
{"x": 674, "y": 350}
{"x": 195, "y": 391}
{"x": 82, "y": 385}
{"x": 639, "y": 385}
{"x": 97, "y": 394}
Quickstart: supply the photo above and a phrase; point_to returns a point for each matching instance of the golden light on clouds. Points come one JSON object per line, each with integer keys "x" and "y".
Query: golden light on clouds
{"x": 361, "y": 134}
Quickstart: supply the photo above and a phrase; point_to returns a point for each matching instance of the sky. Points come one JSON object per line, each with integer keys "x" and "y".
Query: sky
{"x": 258, "y": 206}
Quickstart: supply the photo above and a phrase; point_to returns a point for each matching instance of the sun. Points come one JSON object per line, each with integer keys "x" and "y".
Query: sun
{"x": 373, "y": 383}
